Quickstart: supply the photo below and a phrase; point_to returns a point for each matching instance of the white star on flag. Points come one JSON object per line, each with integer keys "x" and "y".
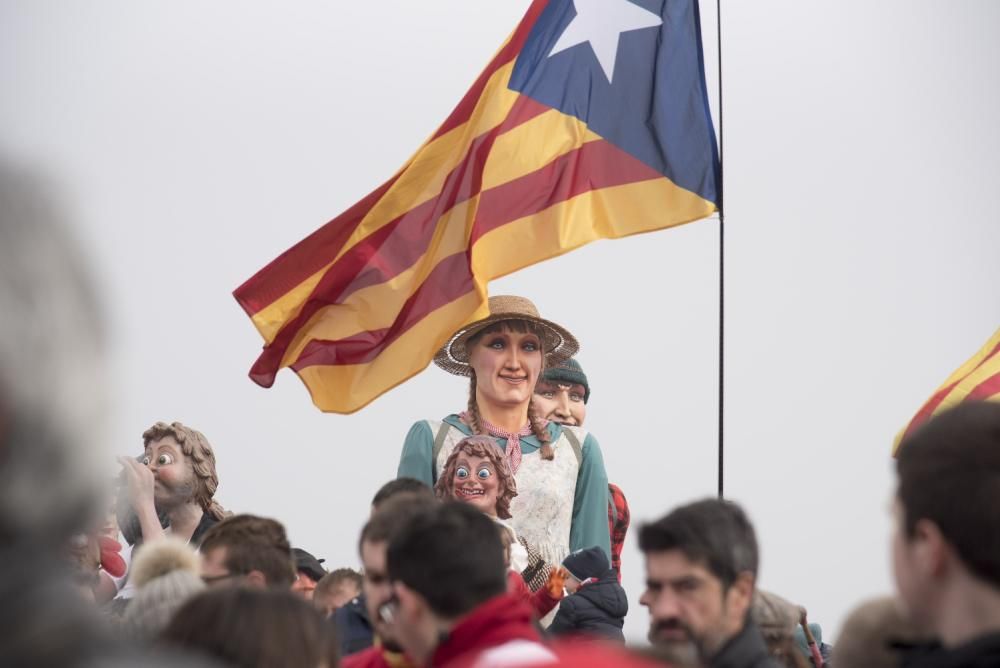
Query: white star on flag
{"x": 601, "y": 23}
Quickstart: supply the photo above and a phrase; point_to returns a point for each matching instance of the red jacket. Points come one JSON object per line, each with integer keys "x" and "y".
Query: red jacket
{"x": 375, "y": 657}
{"x": 497, "y": 633}
{"x": 541, "y": 601}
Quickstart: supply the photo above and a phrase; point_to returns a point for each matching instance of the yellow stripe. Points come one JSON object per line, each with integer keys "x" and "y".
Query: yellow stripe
{"x": 609, "y": 213}
{"x": 347, "y": 388}
{"x": 420, "y": 180}
{"x": 973, "y": 361}
{"x": 623, "y": 211}
{"x": 376, "y": 306}
{"x": 990, "y": 368}
{"x": 966, "y": 377}
{"x": 532, "y": 145}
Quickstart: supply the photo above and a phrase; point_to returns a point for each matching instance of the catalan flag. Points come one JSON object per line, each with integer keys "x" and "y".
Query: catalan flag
{"x": 976, "y": 380}
{"x": 591, "y": 122}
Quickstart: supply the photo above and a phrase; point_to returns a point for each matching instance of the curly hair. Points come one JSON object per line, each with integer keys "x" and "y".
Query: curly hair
{"x": 195, "y": 447}
{"x": 537, "y": 421}
{"x": 480, "y": 446}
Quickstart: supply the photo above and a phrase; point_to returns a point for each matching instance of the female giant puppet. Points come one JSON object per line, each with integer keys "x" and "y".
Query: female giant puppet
{"x": 562, "y": 498}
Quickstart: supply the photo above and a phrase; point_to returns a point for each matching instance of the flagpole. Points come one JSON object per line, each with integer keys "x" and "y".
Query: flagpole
{"x": 722, "y": 250}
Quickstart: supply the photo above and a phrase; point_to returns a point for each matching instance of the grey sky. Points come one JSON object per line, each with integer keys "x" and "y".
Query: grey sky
{"x": 192, "y": 142}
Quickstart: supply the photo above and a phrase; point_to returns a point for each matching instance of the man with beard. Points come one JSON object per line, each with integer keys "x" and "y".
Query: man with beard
{"x": 171, "y": 487}
{"x": 390, "y": 517}
{"x": 701, "y": 571}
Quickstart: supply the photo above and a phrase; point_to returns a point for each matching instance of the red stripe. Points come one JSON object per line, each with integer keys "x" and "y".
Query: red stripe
{"x": 927, "y": 410}
{"x": 312, "y": 253}
{"x": 463, "y": 112}
{"x": 306, "y": 257}
{"x": 590, "y": 167}
{"x": 985, "y": 389}
{"x": 450, "y": 280}
{"x": 394, "y": 247}
{"x": 595, "y": 165}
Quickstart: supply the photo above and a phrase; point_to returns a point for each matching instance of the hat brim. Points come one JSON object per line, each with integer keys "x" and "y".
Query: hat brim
{"x": 558, "y": 343}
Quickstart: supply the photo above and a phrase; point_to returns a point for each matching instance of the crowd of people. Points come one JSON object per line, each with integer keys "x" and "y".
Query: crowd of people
{"x": 497, "y": 544}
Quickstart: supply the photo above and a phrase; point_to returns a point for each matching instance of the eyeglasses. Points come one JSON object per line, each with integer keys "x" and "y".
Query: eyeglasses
{"x": 209, "y": 580}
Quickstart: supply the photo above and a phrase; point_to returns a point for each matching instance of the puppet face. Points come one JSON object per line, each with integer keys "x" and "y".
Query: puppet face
{"x": 507, "y": 364}
{"x": 172, "y": 471}
{"x": 476, "y": 482}
{"x": 561, "y": 403}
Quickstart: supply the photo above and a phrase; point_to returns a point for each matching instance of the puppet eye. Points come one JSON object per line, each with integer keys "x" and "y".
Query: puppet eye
{"x": 145, "y": 460}
{"x": 484, "y": 473}
{"x": 164, "y": 459}
{"x": 461, "y": 473}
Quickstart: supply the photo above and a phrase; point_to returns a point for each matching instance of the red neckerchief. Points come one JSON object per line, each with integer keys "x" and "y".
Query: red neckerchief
{"x": 495, "y": 622}
{"x": 513, "y": 450}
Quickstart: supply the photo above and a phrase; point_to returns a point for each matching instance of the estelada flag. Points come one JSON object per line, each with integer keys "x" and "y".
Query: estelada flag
{"x": 591, "y": 122}
{"x": 976, "y": 380}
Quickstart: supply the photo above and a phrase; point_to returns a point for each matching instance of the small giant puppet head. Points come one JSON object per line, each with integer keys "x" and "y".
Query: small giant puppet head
{"x": 477, "y": 473}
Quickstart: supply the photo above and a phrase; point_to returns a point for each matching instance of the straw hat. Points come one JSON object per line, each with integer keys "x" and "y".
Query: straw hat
{"x": 558, "y": 344}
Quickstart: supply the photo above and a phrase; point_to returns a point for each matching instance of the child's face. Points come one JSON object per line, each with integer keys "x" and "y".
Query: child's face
{"x": 571, "y": 584}
{"x": 476, "y": 483}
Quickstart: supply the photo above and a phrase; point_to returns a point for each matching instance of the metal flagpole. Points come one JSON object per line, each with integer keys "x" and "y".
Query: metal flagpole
{"x": 722, "y": 249}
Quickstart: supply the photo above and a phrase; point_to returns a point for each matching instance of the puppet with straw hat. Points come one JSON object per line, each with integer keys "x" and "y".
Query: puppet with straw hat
{"x": 562, "y": 498}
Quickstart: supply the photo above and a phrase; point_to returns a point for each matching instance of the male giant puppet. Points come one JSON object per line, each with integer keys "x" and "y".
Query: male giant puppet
{"x": 171, "y": 486}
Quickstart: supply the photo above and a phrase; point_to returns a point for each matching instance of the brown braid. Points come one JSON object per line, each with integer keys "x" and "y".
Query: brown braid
{"x": 473, "y": 409}
{"x": 541, "y": 432}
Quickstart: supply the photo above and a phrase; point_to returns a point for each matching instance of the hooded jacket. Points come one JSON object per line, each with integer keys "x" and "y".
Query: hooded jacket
{"x": 597, "y": 608}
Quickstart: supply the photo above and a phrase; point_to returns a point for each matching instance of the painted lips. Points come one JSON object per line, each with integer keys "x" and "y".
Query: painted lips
{"x": 468, "y": 492}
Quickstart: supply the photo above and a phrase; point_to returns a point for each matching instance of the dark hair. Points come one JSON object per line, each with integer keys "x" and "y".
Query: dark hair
{"x": 398, "y": 486}
{"x": 254, "y": 544}
{"x": 712, "y": 532}
{"x": 393, "y": 515}
{"x": 949, "y": 473}
{"x": 451, "y": 555}
{"x": 254, "y": 628}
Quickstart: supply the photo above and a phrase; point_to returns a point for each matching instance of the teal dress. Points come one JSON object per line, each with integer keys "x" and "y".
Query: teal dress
{"x": 571, "y": 490}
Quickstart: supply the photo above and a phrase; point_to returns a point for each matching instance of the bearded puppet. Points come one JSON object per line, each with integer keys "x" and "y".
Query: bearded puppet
{"x": 190, "y": 479}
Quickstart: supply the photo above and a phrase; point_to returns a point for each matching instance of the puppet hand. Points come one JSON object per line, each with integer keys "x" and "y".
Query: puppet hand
{"x": 556, "y": 582}
{"x": 140, "y": 483}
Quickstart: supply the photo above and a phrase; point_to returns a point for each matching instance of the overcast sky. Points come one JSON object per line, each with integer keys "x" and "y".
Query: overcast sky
{"x": 189, "y": 143}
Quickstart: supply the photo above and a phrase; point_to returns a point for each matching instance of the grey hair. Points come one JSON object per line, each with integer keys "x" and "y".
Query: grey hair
{"x": 52, "y": 373}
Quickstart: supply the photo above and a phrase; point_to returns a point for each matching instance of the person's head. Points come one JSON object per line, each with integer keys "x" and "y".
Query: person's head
{"x": 309, "y": 570}
{"x": 947, "y": 519}
{"x": 392, "y": 515}
{"x": 562, "y": 393}
{"x": 477, "y": 473}
{"x": 183, "y": 465}
{"x": 249, "y": 628}
{"x": 582, "y": 565}
{"x": 399, "y": 486}
{"x": 165, "y": 574}
{"x": 875, "y": 635}
{"x": 443, "y": 564}
{"x": 336, "y": 589}
{"x": 53, "y": 377}
{"x": 247, "y": 550}
{"x": 504, "y": 354}
{"x": 701, "y": 568}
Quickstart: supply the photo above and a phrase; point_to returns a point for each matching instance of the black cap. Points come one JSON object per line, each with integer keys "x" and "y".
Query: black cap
{"x": 308, "y": 564}
{"x": 587, "y": 563}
